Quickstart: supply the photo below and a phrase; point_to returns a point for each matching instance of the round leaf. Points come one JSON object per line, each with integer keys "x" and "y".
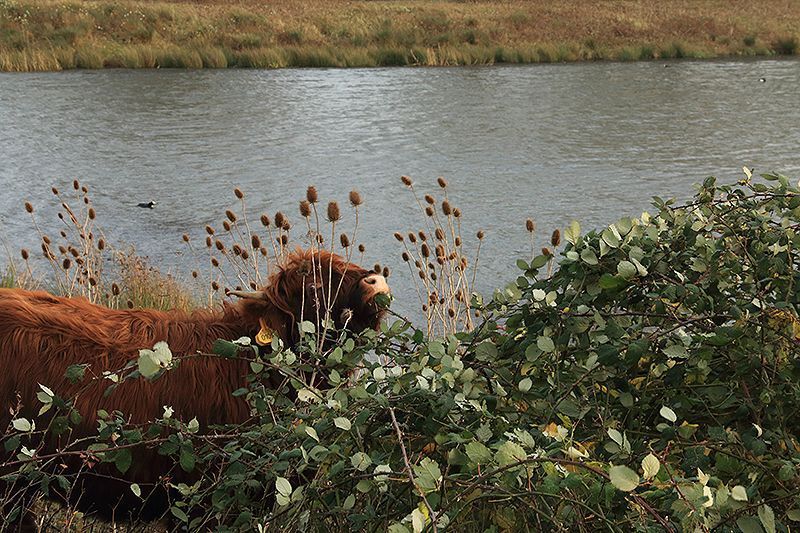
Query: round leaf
{"x": 623, "y": 478}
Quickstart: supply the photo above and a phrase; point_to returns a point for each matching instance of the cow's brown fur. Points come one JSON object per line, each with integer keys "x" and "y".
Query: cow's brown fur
{"x": 41, "y": 335}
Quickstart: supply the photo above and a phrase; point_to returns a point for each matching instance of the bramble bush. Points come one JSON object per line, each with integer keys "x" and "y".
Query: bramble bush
{"x": 652, "y": 382}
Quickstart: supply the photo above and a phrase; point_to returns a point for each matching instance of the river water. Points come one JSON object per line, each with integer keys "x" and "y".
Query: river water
{"x": 591, "y": 141}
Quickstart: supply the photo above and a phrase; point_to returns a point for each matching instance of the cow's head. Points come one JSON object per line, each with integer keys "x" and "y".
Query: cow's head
{"x": 312, "y": 285}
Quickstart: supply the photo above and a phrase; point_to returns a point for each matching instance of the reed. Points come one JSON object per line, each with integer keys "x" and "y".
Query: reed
{"x": 50, "y": 35}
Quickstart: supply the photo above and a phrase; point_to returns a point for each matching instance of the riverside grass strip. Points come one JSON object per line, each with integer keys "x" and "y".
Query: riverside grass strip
{"x": 38, "y": 35}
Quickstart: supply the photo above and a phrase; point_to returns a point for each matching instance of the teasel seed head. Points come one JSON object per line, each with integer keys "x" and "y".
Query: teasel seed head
{"x": 417, "y": 264}
{"x": 61, "y": 216}
{"x": 305, "y": 209}
{"x": 231, "y": 215}
{"x": 86, "y": 201}
{"x": 422, "y": 236}
{"x": 255, "y": 242}
{"x": 63, "y": 234}
{"x": 253, "y": 286}
{"x": 426, "y": 252}
{"x": 458, "y": 241}
{"x": 101, "y": 244}
{"x": 115, "y": 289}
{"x": 55, "y": 191}
{"x": 386, "y": 272}
{"x": 46, "y": 239}
{"x": 440, "y": 260}
{"x": 214, "y": 285}
{"x": 555, "y": 238}
{"x": 439, "y": 234}
{"x": 265, "y": 220}
{"x": 398, "y": 236}
{"x": 311, "y": 195}
{"x": 430, "y": 199}
{"x": 238, "y": 192}
{"x": 85, "y": 189}
{"x": 412, "y": 238}
{"x": 333, "y": 212}
{"x": 28, "y": 207}
{"x": 284, "y": 240}
{"x": 530, "y": 225}
{"x": 245, "y": 255}
{"x": 344, "y": 240}
{"x": 457, "y": 212}
{"x": 355, "y": 199}
{"x": 439, "y": 250}
{"x": 480, "y": 235}
{"x": 447, "y": 209}
{"x": 406, "y": 257}
{"x": 76, "y": 185}
{"x": 129, "y": 303}
{"x": 92, "y": 282}
{"x": 362, "y": 248}
{"x": 320, "y": 239}
{"x": 546, "y": 251}
{"x": 185, "y": 237}
{"x": 194, "y": 274}
{"x": 433, "y": 276}
{"x": 237, "y": 250}
{"x": 263, "y": 251}
{"x": 421, "y": 274}
{"x": 62, "y": 250}
{"x": 424, "y": 308}
{"x": 24, "y": 253}
{"x": 406, "y": 181}
{"x": 442, "y": 182}
{"x": 220, "y": 246}
{"x": 208, "y": 241}
{"x": 226, "y": 225}
{"x": 286, "y": 226}
{"x": 73, "y": 251}
{"x": 429, "y": 211}
{"x": 214, "y": 262}
{"x": 279, "y": 219}
{"x": 451, "y": 312}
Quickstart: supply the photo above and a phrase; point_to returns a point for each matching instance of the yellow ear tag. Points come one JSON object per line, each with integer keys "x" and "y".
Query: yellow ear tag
{"x": 264, "y": 336}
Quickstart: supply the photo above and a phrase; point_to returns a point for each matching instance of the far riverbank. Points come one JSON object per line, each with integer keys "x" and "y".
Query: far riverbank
{"x": 38, "y": 35}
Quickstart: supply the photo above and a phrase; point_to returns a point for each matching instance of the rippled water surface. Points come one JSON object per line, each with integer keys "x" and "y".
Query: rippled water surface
{"x": 553, "y": 142}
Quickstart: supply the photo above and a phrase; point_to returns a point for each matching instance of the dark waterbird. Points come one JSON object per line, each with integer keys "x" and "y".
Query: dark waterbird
{"x": 147, "y": 205}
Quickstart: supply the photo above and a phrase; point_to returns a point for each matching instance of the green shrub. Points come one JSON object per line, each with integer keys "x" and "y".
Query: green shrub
{"x": 652, "y": 382}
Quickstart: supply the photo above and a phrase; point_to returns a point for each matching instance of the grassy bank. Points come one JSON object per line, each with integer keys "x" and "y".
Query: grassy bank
{"x": 48, "y": 35}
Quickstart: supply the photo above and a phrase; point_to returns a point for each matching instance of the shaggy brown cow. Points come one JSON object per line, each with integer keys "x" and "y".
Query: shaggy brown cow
{"x": 41, "y": 335}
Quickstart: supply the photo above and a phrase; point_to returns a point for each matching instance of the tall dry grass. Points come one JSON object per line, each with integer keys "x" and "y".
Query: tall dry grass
{"x": 52, "y": 35}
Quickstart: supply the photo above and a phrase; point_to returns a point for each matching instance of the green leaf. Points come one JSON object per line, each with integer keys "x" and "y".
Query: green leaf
{"x": 307, "y": 327}
{"x": 311, "y": 432}
{"x": 342, "y": 423}
{"x": 739, "y": 493}
{"x": 626, "y": 269}
{"x": 360, "y": 461}
{"x": 573, "y": 232}
{"x": 187, "y": 458}
{"x": 283, "y": 486}
{"x": 349, "y": 502}
{"x": 427, "y": 474}
{"x": 767, "y": 517}
{"x": 22, "y": 424}
{"x": 793, "y": 515}
{"x": 748, "y": 524}
{"x": 193, "y": 426}
{"x": 623, "y": 478}
{"x": 179, "y": 514}
{"x": 650, "y": 466}
{"x": 136, "y": 490}
{"x": 525, "y": 385}
{"x": 545, "y": 344}
{"x": 668, "y": 413}
{"x": 122, "y": 459}
{"x": 589, "y": 257}
{"x": 522, "y": 264}
{"x": 611, "y": 238}
{"x": 478, "y": 453}
{"x": 509, "y": 453}
{"x": 539, "y": 261}
{"x": 676, "y": 351}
